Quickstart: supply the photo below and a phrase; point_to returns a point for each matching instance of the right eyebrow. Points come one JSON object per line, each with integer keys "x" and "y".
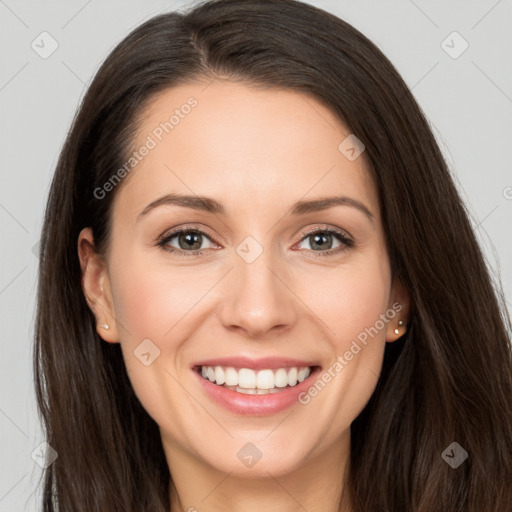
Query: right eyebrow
{"x": 202, "y": 203}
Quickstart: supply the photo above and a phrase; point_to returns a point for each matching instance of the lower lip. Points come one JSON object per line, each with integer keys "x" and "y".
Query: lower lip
{"x": 256, "y": 405}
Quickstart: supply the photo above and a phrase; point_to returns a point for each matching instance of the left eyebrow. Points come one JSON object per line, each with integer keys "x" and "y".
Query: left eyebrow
{"x": 323, "y": 203}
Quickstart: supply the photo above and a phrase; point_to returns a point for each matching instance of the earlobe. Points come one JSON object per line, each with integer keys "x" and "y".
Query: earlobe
{"x": 400, "y": 303}
{"x": 96, "y": 287}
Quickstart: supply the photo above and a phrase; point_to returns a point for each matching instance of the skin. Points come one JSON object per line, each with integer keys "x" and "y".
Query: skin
{"x": 256, "y": 152}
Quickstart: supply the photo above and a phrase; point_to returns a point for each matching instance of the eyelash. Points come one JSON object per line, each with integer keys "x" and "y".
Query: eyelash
{"x": 346, "y": 242}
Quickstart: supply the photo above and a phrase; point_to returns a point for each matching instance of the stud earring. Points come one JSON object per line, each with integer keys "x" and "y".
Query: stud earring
{"x": 105, "y": 326}
{"x": 400, "y": 323}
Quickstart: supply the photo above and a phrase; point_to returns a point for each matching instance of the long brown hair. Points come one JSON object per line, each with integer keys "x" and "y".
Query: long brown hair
{"x": 448, "y": 380}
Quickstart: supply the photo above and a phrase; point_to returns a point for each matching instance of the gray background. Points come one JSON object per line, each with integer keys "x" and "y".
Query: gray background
{"x": 467, "y": 99}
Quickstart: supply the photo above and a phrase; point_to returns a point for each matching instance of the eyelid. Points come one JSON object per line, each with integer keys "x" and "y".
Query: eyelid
{"x": 171, "y": 233}
{"x": 326, "y": 228}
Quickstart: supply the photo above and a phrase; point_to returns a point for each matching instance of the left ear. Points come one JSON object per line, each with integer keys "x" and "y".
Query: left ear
{"x": 399, "y": 302}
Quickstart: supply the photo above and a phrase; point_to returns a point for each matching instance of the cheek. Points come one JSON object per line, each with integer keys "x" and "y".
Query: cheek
{"x": 150, "y": 300}
{"x": 362, "y": 326}
{"x": 151, "y": 306}
{"x": 353, "y": 307}
{"x": 149, "y": 303}
{"x": 351, "y": 299}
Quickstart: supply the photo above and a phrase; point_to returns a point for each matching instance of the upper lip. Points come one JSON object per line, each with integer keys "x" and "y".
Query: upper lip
{"x": 256, "y": 364}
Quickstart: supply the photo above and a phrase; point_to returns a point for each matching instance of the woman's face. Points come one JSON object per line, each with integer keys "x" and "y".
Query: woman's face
{"x": 263, "y": 282}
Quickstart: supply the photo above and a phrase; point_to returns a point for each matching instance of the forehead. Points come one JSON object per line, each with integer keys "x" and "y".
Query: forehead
{"x": 243, "y": 145}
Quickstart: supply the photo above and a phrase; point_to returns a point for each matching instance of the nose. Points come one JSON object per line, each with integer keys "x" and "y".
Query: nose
{"x": 258, "y": 298}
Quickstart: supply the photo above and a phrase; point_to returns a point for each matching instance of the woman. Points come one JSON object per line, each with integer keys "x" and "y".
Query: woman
{"x": 259, "y": 286}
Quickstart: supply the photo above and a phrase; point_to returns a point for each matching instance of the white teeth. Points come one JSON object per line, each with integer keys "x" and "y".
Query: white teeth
{"x": 261, "y": 382}
{"x": 265, "y": 379}
{"x": 247, "y": 378}
{"x": 231, "y": 377}
{"x": 281, "y": 378}
{"x": 219, "y": 375}
{"x": 238, "y": 389}
{"x": 292, "y": 377}
{"x": 303, "y": 374}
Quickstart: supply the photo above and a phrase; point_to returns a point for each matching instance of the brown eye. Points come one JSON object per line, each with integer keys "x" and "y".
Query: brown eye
{"x": 185, "y": 241}
{"x": 326, "y": 242}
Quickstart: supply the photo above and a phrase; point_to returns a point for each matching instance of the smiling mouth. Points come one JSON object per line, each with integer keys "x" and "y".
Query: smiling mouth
{"x": 255, "y": 382}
